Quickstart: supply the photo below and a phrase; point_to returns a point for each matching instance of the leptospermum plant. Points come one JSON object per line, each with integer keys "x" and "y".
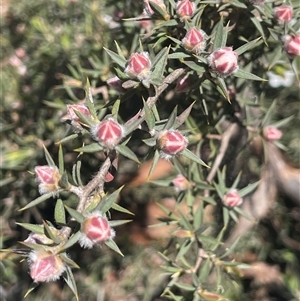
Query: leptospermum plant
{"x": 192, "y": 48}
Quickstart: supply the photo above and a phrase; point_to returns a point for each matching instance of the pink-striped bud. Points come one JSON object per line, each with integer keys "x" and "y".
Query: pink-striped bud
{"x": 194, "y": 40}
{"x": 45, "y": 266}
{"x": 116, "y": 84}
{"x": 185, "y": 9}
{"x": 271, "y": 133}
{"x": 48, "y": 178}
{"x": 138, "y": 66}
{"x": 95, "y": 230}
{"x": 108, "y": 133}
{"x": 292, "y": 45}
{"x": 181, "y": 183}
{"x": 171, "y": 143}
{"x": 283, "y": 13}
{"x": 232, "y": 199}
{"x": 223, "y": 61}
{"x": 183, "y": 84}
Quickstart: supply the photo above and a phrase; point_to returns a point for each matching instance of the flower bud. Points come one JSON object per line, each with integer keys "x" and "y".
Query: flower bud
{"x": 292, "y": 45}
{"x": 271, "y": 133}
{"x": 185, "y": 9}
{"x": 223, "y": 61}
{"x": 138, "y": 66}
{"x": 95, "y": 230}
{"x": 232, "y": 198}
{"x": 171, "y": 143}
{"x": 194, "y": 40}
{"x": 45, "y": 266}
{"x": 41, "y": 239}
{"x": 181, "y": 183}
{"x": 108, "y": 133}
{"x": 48, "y": 178}
{"x": 283, "y": 13}
{"x": 116, "y": 84}
{"x": 183, "y": 84}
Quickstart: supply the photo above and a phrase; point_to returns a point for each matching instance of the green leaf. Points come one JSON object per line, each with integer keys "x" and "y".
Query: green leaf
{"x": 106, "y": 202}
{"x": 48, "y": 232}
{"x": 178, "y": 55}
{"x": 188, "y": 154}
{"x": 127, "y": 152}
{"x": 194, "y": 66}
{"x": 185, "y": 287}
{"x": 223, "y": 88}
{"x": 116, "y": 58}
{"x": 160, "y": 63}
{"x": 59, "y": 212}
{"x": 37, "y": 201}
{"x": 48, "y": 157}
{"x": 183, "y": 116}
{"x": 115, "y": 108}
{"x": 69, "y": 261}
{"x": 32, "y": 287}
{"x": 248, "y": 46}
{"x": 85, "y": 119}
{"x": 91, "y": 148}
{"x": 185, "y": 247}
{"x": 171, "y": 120}
{"x": 158, "y": 10}
{"x": 39, "y": 229}
{"x": 71, "y": 241}
{"x": 60, "y": 159}
{"x": 119, "y": 208}
{"x": 149, "y": 116}
{"x": 90, "y": 101}
{"x": 68, "y": 138}
{"x": 247, "y": 75}
{"x": 258, "y": 26}
{"x": 220, "y": 36}
{"x": 75, "y": 214}
{"x": 112, "y": 245}
{"x": 153, "y": 164}
{"x": 120, "y": 52}
{"x": 120, "y": 222}
{"x": 246, "y": 190}
{"x": 283, "y": 122}
{"x": 71, "y": 282}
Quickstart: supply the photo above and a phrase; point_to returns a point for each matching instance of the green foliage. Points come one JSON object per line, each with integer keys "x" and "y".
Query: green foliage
{"x": 61, "y": 53}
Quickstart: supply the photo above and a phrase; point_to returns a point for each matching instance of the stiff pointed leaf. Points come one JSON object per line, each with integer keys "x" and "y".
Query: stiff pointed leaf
{"x": 153, "y": 164}
{"x": 220, "y": 36}
{"x": 183, "y": 116}
{"x": 120, "y": 52}
{"x": 185, "y": 247}
{"x": 249, "y": 188}
{"x": 61, "y": 160}
{"x": 119, "y": 208}
{"x": 48, "y": 157}
{"x": 258, "y": 26}
{"x": 178, "y": 55}
{"x": 39, "y": 229}
{"x": 90, "y": 100}
{"x": 149, "y": 116}
{"x": 37, "y": 201}
{"x": 247, "y": 75}
{"x": 171, "y": 120}
{"x": 127, "y": 152}
{"x": 48, "y": 232}
{"x": 112, "y": 245}
{"x": 116, "y": 223}
{"x": 108, "y": 201}
{"x": 185, "y": 287}
{"x": 71, "y": 241}
{"x": 121, "y": 61}
{"x": 33, "y": 246}
{"x": 85, "y": 119}
{"x": 69, "y": 261}
{"x": 91, "y": 148}
{"x": 69, "y": 279}
{"x": 248, "y": 46}
{"x": 115, "y": 108}
{"x": 68, "y": 138}
{"x": 244, "y": 214}
{"x": 222, "y": 88}
{"x": 188, "y": 154}
{"x": 160, "y": 63}
{"x": 194, "y": 66}
{"x": 75, "y": 214}
{"x": 32, "y": 287}
{"x": 59, "y": 212}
